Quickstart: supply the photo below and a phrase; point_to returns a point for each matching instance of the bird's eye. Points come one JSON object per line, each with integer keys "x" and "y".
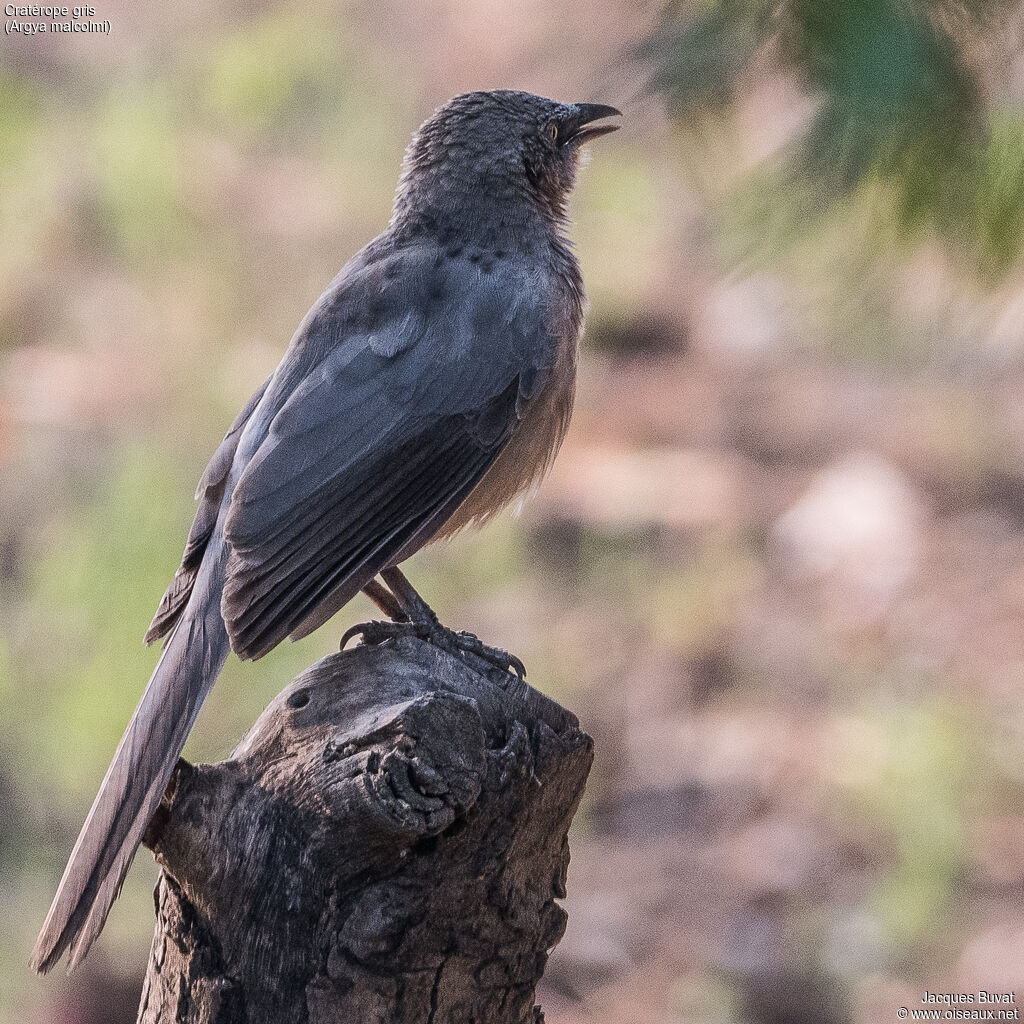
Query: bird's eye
{"x": 553, "y": 132}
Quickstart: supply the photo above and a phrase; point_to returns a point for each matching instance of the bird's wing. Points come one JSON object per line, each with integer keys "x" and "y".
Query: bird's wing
{"x": 429, "y": 364}
{"x": 209, "y": 494}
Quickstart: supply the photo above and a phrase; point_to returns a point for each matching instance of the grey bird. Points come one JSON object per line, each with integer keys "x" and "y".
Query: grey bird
{"x": 428, "y": 386}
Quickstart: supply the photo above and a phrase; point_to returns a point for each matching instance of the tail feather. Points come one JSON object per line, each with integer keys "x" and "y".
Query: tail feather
{"x": 138, "y": 775}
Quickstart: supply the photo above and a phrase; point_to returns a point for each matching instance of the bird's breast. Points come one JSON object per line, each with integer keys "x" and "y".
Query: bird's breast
{"x": 531, "y": 449}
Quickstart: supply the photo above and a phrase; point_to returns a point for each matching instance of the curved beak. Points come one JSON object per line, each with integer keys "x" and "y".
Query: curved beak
{"x": 581, "y": 126}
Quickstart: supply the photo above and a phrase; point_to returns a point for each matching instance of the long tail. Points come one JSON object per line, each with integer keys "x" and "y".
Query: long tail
{"x": 137, "y": 777}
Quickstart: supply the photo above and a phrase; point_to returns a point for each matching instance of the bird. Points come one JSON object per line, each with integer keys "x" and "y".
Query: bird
{"x": 429, "y": 385}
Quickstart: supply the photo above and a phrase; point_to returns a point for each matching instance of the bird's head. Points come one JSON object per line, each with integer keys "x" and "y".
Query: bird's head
{"x": 485, "y": 151}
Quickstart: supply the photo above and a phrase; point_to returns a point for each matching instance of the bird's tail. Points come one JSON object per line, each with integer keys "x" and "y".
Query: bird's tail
{"x": 137, "y": 777}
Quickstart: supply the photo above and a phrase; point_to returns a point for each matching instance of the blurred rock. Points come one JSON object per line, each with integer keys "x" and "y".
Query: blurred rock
{"x": 712, "y": 673}
{"x": 998, "y": 851}
{"x": 595, "y": 950}
{"x": 643, "y": 815}
{"x": 794, "y": 996}
{"x": 775, "y": 855}
{"x": 646, "y": 334}
{"x": 780, "y": 980}
{"x": 630, "y": 488}
{"x": 743, "y": 320}
{"x": 992, "y": 960}
{"x": 858, "y": 528}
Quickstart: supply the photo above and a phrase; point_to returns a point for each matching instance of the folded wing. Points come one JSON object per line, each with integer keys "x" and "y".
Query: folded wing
{"x": 380, "y": 442}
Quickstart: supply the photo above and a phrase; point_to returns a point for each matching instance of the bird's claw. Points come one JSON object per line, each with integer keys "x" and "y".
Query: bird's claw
{"x": 494, "y": 655}
{"x": 377, "y": 632}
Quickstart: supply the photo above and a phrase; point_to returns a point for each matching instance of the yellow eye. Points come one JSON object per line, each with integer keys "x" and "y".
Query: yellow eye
{"x": 553, "y": 132}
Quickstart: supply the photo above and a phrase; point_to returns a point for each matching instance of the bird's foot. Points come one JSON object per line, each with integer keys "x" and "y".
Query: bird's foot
{"x": 461, "y": 640}
{"x": 377, "y": 632}
{"x": 453, "y": 642}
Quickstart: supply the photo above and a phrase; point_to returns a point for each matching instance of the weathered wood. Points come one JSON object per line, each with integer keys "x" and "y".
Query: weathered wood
{"x": 385, "y": 846}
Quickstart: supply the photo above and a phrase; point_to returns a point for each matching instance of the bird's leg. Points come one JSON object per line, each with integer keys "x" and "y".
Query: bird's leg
{"x": 420, "y": 612}
{"x": 407, "y": 596}
{"x": 418, "y": 619}
{"x": 385, "y": 601}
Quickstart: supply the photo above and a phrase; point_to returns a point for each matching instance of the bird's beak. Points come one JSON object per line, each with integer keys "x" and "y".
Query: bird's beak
{"x": 582, "y": 129}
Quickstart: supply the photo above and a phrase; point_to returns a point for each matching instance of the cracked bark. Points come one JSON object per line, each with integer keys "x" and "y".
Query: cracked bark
{"x": 387, "y": 845}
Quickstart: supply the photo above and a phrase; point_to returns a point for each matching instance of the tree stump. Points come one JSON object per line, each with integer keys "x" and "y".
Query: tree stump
{"x": 385, "y": 846}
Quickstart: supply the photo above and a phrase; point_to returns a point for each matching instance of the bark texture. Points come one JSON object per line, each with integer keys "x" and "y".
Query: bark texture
{"x": 385, "y": 846}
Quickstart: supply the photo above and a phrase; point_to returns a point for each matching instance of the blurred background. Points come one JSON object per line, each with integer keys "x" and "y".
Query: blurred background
{"x": 777, "y": 567}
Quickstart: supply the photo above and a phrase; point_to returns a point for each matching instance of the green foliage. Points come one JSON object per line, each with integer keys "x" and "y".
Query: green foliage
{"x": 705, "y": 998}
{"x": 272, "y": 67}
{"x": 91, "y": 590}
{"x": 20, "y": 109}
{"x": 623, "y": 201}
{"x": 917, "y": 781}
{"x": 901, "y": 122}
{"x": 998, "y": 210}
{"x": 138, "y": 168}
{"x": 689, "y": 609}
{"x": 31, "y": 198}
{"x": 896, "y": 100}
{"x": 702, "y": 50}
